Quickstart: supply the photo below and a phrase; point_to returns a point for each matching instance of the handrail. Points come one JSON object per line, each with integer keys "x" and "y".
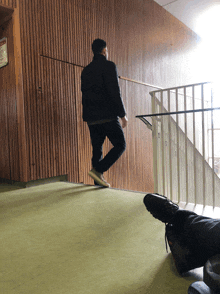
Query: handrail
{"x": 177, "y": 112}
{"x": 180, "y": 87}
{"x": 147, "y": 123}
{"x": 139, "y": 82}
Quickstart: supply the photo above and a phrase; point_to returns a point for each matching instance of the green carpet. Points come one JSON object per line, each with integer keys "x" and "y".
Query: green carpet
{"x": 63, "y": 238}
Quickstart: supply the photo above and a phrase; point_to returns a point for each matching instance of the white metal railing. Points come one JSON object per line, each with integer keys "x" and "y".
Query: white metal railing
{"x": 186, "y": 144}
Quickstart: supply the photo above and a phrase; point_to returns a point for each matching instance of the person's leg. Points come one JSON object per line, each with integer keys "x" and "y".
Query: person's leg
{"x": 202, "y": 233}
{"x": 97, "y": 136}
{"x": 192, "y": 238}
{"x": 115, "y": 134}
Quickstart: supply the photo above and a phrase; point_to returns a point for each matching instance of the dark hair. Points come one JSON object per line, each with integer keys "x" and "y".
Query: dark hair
{"x": 98, "y": 45}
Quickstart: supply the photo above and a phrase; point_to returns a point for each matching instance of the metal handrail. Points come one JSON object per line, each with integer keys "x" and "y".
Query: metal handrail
{"x": 177, "y": 112}
{"x": 147, "y": 123}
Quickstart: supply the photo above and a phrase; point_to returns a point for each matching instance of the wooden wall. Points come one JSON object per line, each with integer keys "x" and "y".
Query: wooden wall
{"x": 9, "y": 3}
{"x": 146, "y": 43}
{"x": 9, "y": 152}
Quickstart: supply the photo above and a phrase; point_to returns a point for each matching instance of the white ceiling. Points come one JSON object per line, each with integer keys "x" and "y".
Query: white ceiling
{"x": 190, "y": 11}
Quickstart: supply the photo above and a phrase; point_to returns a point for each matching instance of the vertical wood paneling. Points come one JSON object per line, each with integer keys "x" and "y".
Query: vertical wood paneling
{"x": 68, "y": 30}
{"x": 56, "y": 126}
{"x": 142, "y": 37}
{"x": 83, "y": 137}
{"x": 4, "y": 140}
{"x": 134, "y": 170}
{"x": 29, "y": 22}
{"x": 9, "y": 152}
{"x": 23, "y": 168}
{"x": 9, "y": 3}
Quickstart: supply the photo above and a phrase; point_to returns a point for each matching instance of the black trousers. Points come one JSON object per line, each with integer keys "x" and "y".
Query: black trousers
{"x": 193, "y": 239}
{"x": 98, "y": 133}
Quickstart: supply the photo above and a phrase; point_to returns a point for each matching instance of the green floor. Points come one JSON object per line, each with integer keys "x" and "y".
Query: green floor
{"x": 63, "y": 238}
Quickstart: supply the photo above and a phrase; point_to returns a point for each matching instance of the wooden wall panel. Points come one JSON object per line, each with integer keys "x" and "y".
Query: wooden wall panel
{"x": 55, "y": 133}
{"x": 9, "y": 152}
{"x": 83, "y": 136}
{"x": 4, "y": 140}
{"x": 29, "y": 24}
{"x": 145, "y": 41}
{"x": 9, "y": 3}
{"x": 134, "y": 170}
{"x": 67, "y": 30}
{"x": 155, "y": 47}
{"x": 22, "y": 147}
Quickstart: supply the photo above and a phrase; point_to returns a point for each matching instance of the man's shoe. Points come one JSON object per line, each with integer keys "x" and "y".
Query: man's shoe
{"x": 160, "y": 207}
{"x": 98, "y": 177}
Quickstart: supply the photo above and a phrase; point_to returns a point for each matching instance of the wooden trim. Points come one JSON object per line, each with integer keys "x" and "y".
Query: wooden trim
{"x": 20, "y": 97}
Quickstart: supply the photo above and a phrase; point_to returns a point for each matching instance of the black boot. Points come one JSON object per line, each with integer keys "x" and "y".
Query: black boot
{"x": 160, "y": 207}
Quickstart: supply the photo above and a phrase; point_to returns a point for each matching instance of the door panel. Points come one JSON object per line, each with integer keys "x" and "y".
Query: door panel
{"x": 55, "y": 119}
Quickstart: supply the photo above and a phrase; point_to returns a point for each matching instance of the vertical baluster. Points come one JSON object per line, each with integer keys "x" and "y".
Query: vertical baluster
{"x": 170, "y": 150}
{"x": 186, "y": 149}
{"x": 203, "y": 145}
{"x": 178, "y": 153}
{"x": 155, "y": 151}
{"x": 162, "y": 143}
{"x": 194, "y": 144}
{"x": 213, "y": 152}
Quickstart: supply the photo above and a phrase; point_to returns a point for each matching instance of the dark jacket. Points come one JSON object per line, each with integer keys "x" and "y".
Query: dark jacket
{"x": 101, "y": 96}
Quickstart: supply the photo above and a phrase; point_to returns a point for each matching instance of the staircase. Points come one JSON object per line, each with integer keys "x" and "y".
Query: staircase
{"x": 186, "y": 144}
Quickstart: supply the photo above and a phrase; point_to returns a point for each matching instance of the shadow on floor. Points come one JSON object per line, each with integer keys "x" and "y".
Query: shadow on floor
{"x": 8, "y": 187}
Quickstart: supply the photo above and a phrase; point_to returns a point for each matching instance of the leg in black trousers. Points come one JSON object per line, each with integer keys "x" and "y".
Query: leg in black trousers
{"x": 113, "y": 131}
{"x": 192, "y": 238}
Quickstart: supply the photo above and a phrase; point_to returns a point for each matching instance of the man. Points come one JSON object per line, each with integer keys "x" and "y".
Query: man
{"x": 102, "y": 108}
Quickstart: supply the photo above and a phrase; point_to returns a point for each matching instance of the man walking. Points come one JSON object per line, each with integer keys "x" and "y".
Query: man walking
{"x": 102, "y": 108}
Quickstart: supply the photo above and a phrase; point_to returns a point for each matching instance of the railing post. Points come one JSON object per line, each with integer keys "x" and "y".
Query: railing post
{"x": 186, "y": 149}
{"x": 203, "y": 146}
{"x": 162, "y": 142}
{"x": 213, "y": 152}
{"x": 155, "y": 151}
{"x": 178, "y": 151}
{"x": 170, "y": 145}
{"x": 194, "y": 145}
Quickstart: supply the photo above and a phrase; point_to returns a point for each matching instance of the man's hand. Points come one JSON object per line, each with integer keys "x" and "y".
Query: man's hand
{"x": 124, "y": 121}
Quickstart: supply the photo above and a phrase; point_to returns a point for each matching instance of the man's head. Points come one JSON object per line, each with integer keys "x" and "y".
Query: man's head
{"x": 99, "y": 47}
